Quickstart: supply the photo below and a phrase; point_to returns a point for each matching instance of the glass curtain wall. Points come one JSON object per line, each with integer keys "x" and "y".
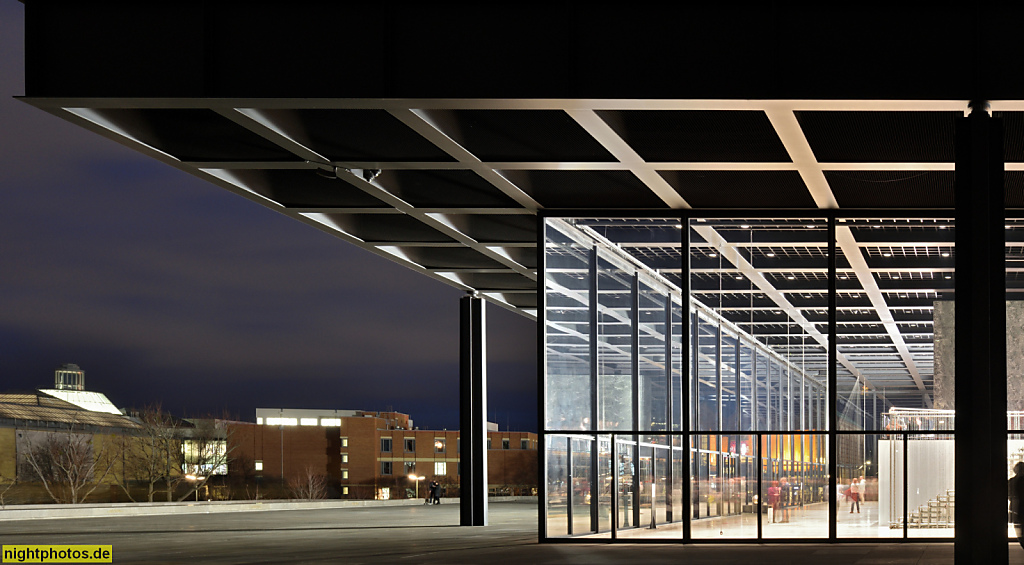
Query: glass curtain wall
{"x": 894, "y": 373}
{"x": 760, "y": 375}
{"x": 614, "y": 379}
{"x": 686, "y": 396}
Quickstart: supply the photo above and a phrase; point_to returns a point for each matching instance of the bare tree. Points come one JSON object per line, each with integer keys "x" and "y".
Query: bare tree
{"x": 309, "y": 486}
{"x": 70, "y": 465}
{"x": 6, "y": 485}
{"x": 147, "y": 453}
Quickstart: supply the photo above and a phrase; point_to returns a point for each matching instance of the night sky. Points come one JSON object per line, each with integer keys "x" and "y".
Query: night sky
{"x": 164, "y": 288}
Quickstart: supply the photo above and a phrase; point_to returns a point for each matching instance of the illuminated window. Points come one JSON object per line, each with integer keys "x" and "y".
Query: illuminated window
{"x": 282, "y": 422}
{"x": 410, "y": 467}
{"x": 344, "y": 475}
{"x": 330, "y": 422}
{"x": 344, "y": 491}
{"x": 385, "y": 467}
{"x": 385, "y": 444}
{"x": 259, "y": 421}
{"x": 307, "y": 422}
{"x": 259, "y": 465}
{"x": 410, "y": 444}
{"x": 440, "y": 468}
{"x": 344, "y": 442}
{"x": 384, "y": 493}
{"x": 344, "y": 457}
{"x": 439, "y": 445}
{"x": 505, "y": 444}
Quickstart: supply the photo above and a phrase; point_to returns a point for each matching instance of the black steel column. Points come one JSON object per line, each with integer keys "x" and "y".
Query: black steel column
{"x": 718, "y": 377}
{"x": 833, "y": 331}
{"x": 980, "y": 340}
{"x": 634, "y": 341}
{"x": 669, "y": 410}
{"x": 594, "y": 319}
{"x": 689, "y": 397}
{"x": 739, "y": 407}
{"x": 473, "y": 412}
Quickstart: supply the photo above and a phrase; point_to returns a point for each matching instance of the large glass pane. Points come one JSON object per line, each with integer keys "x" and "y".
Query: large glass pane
{"x": 931, "y": 496}
{"x": 895, "y": 348}
{"x": 793, "y": 486}
{"x": 654, "y": 489}
{"x": 891, "y": 479}
{"x": 567, "y": 329}
{"x": 727, "y": 488}
{"x": 557, "y": 487}
{"x": 603, "y": 487}
{"x": 616, "y": 293}
{"x": 581, "y": 494}
{"x": 653, "y": 339}
{"x": 861, "y": 512}
{"x": 627, "y": 515}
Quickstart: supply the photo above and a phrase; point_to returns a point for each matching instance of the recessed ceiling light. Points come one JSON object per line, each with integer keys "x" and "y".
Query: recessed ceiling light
{"x": 769, "y": 254}
{"x": 949, "y": 276}
{"x": 739, "y": 277}
{"x": 701, "y": 220}
{"x": 809, "y": 227}
{"x": 886, "y": 254}
{"x": 745, "y": 226}
{"x": 876, "y": 227}
{"x": 712, "y": 254}
{"x": 679, "y": 226}
{"x": 945, "y": 254}
{"x": 791, "y": 277}
{"x": 896, "y": 276}
{"x": 844, "y": 277}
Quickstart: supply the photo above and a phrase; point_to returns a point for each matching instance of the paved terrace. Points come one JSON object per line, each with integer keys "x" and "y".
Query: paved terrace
{"x": 410, "y": 534}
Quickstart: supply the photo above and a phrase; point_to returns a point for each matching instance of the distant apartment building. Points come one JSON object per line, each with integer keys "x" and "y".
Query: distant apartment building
{"x": 372, "y": 454}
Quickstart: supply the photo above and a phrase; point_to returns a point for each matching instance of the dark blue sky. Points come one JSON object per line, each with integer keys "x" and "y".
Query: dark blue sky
{"x": 168, "y": 289}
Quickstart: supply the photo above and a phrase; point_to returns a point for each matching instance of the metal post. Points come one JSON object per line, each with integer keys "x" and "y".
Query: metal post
{"x": 669, "y": 409}
{"x": 473, "y": 412}
{"x": 687, "y": 399}
{"x": 833, "y": 330}
{"x": 980, "y": 452}
{"x": 738, "y": 384}
{"x": 635, "y": 377}
{"x": 569, "y": 485}
{"x": 595, "y": 397}
{"x": 718, "y": 377}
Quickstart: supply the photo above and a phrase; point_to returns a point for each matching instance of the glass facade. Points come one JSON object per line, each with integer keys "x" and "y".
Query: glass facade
{"x": 748, "y": 379}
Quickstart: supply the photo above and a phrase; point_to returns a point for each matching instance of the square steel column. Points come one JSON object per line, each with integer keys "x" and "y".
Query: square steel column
{"x": 980, "y": 452}
{"x": 473, "y": 412}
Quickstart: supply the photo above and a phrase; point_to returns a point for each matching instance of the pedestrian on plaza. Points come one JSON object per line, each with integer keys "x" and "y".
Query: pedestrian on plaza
{"x": 435, "y": 492}
{"x": 774, "y": 496}
{"x": 1015, "y": 492}
{"x": 854, "y": 493}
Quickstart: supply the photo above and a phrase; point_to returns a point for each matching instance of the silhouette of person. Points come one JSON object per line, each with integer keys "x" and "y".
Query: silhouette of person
{"x": 1014, "y": 491}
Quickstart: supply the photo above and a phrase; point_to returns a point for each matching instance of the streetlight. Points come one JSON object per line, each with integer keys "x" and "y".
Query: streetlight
{"x": 417, "y": 479}
{"x": 194, "y": 479}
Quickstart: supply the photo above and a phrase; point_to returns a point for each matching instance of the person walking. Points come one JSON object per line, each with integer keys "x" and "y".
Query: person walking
{"x": 435, "y": 492}
{"x": 1014, "y": 491}
{"x": 854, "y": 493}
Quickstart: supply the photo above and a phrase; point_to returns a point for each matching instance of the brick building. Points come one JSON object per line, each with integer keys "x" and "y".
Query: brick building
{"x": 371, "y": 454}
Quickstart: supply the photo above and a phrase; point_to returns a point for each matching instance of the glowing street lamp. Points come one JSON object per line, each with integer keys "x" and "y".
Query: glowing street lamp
{"x": 417, "y": 479}
{"x": 194, "y": 478}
